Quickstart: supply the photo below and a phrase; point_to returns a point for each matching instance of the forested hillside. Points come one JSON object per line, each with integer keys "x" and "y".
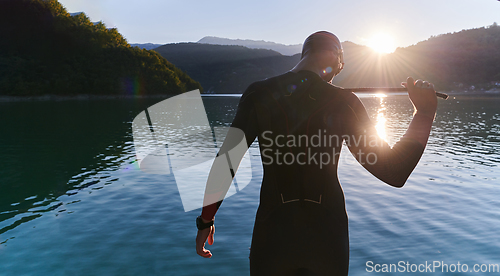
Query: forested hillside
{"x": 469, "y": 59}
{"x": 45, "y": 50}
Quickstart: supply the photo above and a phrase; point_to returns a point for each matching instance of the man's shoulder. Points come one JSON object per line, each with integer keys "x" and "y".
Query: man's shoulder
{"x": 268, "y": 87}
{"x": 272, "y": 81}
{"x": 258, "y": 88}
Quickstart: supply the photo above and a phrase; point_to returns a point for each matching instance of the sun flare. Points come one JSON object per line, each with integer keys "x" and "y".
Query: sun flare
{"x": 382, "y": 43}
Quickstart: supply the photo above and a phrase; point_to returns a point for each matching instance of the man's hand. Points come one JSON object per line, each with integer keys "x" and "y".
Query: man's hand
{"x": 201, "y": 238}
{"x": 422, "y": 95}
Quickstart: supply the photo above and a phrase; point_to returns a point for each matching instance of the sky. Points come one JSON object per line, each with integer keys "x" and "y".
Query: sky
{"x": 287, "y": 22}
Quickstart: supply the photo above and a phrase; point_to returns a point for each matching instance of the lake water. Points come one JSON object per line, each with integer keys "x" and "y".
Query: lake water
{"x": 73, "y": 202}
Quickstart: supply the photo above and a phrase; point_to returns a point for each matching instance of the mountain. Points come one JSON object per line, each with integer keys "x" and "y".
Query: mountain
{"x": 469, "y": 59}
{"x": 46, "y": 50}
{"x": 288, "y": 50}
{"x": 146, "y": 46}
{"x": 226, "y": 68}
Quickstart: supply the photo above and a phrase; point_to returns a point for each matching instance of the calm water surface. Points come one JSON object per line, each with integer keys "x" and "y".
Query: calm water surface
{"x": 72, "y": 201}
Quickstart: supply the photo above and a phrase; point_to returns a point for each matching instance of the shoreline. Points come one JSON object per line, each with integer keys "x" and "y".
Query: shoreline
{"x": 90, "y": 97}
{"x": 81, "y": 97}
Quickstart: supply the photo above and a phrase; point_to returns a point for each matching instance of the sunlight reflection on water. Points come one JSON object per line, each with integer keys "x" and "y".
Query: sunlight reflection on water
{"x": 380, "y": 123}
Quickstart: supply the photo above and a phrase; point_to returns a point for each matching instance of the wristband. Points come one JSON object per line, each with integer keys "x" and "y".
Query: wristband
{"x": 201, "y": 225}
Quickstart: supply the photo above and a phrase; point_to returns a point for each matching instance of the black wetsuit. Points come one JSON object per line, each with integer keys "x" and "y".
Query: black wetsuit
{"x": 301, "y": 224}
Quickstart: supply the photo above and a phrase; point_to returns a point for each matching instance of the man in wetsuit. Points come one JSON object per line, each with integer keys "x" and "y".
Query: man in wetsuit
{"x": 301, "y": 121}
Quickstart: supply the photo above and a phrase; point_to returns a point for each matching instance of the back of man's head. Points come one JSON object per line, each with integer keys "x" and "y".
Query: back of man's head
{"x": 321, "y": 41}
{"x": 322, "y": 52}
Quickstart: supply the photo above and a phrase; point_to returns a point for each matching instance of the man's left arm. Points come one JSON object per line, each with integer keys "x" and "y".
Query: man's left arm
{"x": 241, "y": 135}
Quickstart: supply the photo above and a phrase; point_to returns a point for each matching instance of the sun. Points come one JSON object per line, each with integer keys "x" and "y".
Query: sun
{"x": 382, "y": 43}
